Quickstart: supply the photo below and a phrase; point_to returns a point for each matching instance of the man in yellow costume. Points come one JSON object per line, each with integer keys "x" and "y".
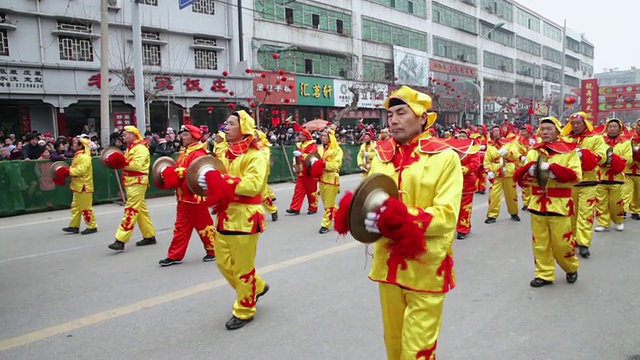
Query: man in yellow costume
{"x": 631, "y": 189}
{"x": 135, "y": 177}
{"x": 366, "y": 153}
{"x": 268, "y": 197}
{"x": 500, "y": 162}
{"x": 551, "y": 203}
{"x": 236, "y": 196}
{"x": 524, "y": 141}
{"x": 592, "y": 152}
{"x": 220, "y": 146}
{"x": 413, "y": 261}
{"x": 327, "y": 171}
{"x": 610, "y": 207}
{"x": 81, "y": 173}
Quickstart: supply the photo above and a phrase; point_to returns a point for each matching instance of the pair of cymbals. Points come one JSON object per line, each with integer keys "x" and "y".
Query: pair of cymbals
{"x": 193, "y": 172}
{"x": 108, "y": 151}
{"x": 372, "y": 192}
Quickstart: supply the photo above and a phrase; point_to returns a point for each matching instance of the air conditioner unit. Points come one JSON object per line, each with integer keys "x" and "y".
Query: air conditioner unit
{"x": 114, "y": 4}
{"x": 463, "y": 57}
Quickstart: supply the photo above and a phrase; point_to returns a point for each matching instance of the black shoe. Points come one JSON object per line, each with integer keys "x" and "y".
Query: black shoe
{"x": 71, "y": 230}
{"x": 515, "y": 217}
{"x": 292, "y": 212}
{"x": 89, "y": 231}
{"x": 481, "y": 192}
{"x": 625, "y": 215}
{"x": 490, "y": 220}
{"x": 311, "y": 212}
{"x": 117, "y": 246}
{"x": 274, "y": 216}
{"x": 572, "y": 277}
{"x": 209, "y": 258}
{"x": 169, "y": 262}
{"x": 525, "y": 208}
{"x": 147, "y": 241}
{"x": 537, "y": 282}
{"x": 584, "y": 251}
{"x": 461, "y": 236}
{"x": 323, "y": 230}
{"x": 635, "y": 216}
{"x": 266, "y": 290}
{"x": 236, "y": 323}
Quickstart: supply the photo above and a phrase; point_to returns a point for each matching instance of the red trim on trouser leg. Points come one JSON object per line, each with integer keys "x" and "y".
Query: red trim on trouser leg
{"x": 298, "y": 195}
{"x": 311, "y": 190}
{"x": 190, "y": 216}
{"x": 464, "y": 218}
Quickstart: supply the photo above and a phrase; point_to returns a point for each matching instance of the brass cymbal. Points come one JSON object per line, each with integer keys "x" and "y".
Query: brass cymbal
{"x": 159, "y": 164}
{"x": 57, "y": 165}
{"x": 308, "y": 161}
{"x": 542, "y": 176}
{"x": 193, "y": 172}
{"x": 372, "y": 192}
{"x": 108, "y": 151}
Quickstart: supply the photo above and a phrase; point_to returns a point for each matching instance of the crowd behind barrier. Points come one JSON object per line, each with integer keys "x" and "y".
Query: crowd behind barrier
{"x": 27, "y": 186}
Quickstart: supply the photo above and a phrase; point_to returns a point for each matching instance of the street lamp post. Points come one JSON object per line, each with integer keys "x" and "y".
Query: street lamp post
{"x": 480, "y": 86}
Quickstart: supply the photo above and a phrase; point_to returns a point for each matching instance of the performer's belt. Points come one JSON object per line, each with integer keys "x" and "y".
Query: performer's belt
{"x": 551, "y": 192}
{"x": 247, "y": 200}
{"x": 133, "y": 173}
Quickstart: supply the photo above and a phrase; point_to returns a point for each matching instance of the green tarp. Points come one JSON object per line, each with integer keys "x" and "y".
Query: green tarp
{"x": 26, "y": 186}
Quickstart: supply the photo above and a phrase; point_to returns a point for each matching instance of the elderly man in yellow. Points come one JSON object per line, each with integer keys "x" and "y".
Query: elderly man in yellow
{"x": 592, "y": 152}
{"x": 413, "y": 261}
{"x": 500, "y": 161}
{"x": 551, "y": 203}
{"x": 268, "y": 197}
{"x": 327, "y": 170}
{"x": 610, "y": 207}
{"x": 135, "y": 177}
{"x": 236, "y": 196}
{"x": 631, "y": 189}
{"x": 366, "y": 153}
{"x": 81, "y": 173}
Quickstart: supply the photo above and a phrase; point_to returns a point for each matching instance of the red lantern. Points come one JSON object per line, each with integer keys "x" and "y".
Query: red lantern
{"x": 570, "y": 100}
{"x": 261, "y": 109}
{"x": 275, "y": 56}
{"x": 252, "y": 104}
{"x": 248, "y": 71}
{"x": 263, "y": 75}
{"x": 284, "y": 78}
{"x": 281, "y": 72}
{"x": 286, "y": 101}
{"x": 453, "y": 79}
{"x": 231, "y": 93}
{"x": 225, "y": 73}
{"x": 210, "y": 109}
{"x": 291, "y": 87}
{"x": 459, "y": 96}
{"x": 231, "y": 106}
{"x": 269, "y": 92}
{"x": 222, "y": 99}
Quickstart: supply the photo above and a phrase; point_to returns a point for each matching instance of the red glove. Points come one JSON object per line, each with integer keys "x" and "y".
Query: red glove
{"x": 563, "y": 174}
{"x": 170, "y": 178}
{"x": 61, "y": 176}
{"x": 219, "y": 191}
{"x": 617, "y": 164}
{"x": 406, "y": 235}
{"x": 341, "y": 217}
{"x": 116, "y": 160}
{"x": 522, "y": 173}
{"x": 317, "y": 169}
{"x": 589, "y": 160}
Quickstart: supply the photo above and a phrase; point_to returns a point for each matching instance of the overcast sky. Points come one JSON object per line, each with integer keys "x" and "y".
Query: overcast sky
{"x": 613, "y": 27}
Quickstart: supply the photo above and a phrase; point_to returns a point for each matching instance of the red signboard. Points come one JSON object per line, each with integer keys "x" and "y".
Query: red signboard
{"x": 450, "y": 68}
{"x": 589, "y": 97}
{"x": 122, "y": 119}
{"x": 356, "y": 114}
{"x": 275, "y": 89}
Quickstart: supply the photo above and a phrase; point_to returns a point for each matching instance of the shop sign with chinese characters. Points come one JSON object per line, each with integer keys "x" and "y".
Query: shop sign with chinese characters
{"x": 313, "y": 91}
{"x": 590, "y": 98}
{"x": 371, "y": 95}
{"x": 15, "y": 79}
{"x": 177, "y": 85}
{"x": 356, "y": 114}
{"x": 275, "y": 89}
{"x": 122, "y": 119}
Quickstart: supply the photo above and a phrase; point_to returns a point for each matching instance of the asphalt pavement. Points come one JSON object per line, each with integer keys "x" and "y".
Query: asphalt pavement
{"x": 69, "y": 297}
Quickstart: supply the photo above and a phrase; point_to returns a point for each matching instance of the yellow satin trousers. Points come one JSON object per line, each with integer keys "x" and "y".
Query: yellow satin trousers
{"x": 267, "y": 200}
{"x": 508, "y": 187}
{"x": 610, "y": 204}
{"x": 135, "y": 211}
{"x": 328, "y": 194}
{"x": 235, "y": 257}
{"x": 552, "y": 239}
{"x": 584, "y": 202}
{"x": 82, "y": 208}
{"x": 631, "y": 194}
{"x": 411, "y": 322}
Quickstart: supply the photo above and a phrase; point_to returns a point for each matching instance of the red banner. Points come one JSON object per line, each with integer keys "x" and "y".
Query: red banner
{"x": 356, "y": 114}
{"x": 451, "y": 68}
{"x": 122, "y": 119}
{"x": 589, "y": 97}
{"x": 275, "y": 89}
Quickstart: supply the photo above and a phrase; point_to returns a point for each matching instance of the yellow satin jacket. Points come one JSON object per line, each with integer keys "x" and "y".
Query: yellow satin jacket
{"x": 622, "y": 149}
{"x": 492, "y": 160}
{"x": 332, "y": 157}
{"x": 81, "y": 172}
{"x": 138, "y": 162}
{"x": 431, "y": 183}
{"x": 596, "y": 145}
{"x": 370, "y": 150}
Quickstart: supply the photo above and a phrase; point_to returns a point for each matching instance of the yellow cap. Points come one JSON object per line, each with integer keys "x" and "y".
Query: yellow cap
{"x": 554, "y": 121}
{"x": 134, "y": 130}
{"x": 419, "y": 103}
{"x": 580, "y": 114}
{"x": 247, "y": 124}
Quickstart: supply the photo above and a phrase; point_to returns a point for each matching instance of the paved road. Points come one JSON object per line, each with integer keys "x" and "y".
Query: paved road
{"x": 69, "y": 297}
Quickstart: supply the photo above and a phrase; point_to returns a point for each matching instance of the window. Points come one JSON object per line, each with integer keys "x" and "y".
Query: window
{"x": 549, "y": 73}
{"x": 206, "y": 59}
{"x": 301, "y": 62}
{"x": 308, "y": 66}
{"x": 4, "y": 43}
{"x": 204, "y": 7}
{"x": 454, "y": 18}
{"x": 151, "y": 55}
{"x": 498, "y": 35}
{"x": 528, "y": 20}
{"x": 571, "y": 81}
{"x": 75, "y": 49}
{"x": 527, "y": 45}
{"x": 572, "y": 62}
{"x": 415, "y": 7}
{"x": 526, "y": 68}
{"x": 587, "y": 70}
{"x": 501, "y": 8}
{"x": 150, "y": 2}
{"x": 410, "y": 6}
{"x": 454, "y": 50}
{"x": 339, "y": 28}
{"x": 297, "y": 13}
{"x": 498, "y": 62}
{"x": 393, "y": 35}
{"x": 552, "y": 55}
{"x": 392, "y": 3}
{"x": 587, "y": 50}
{"x": 205, "y": 41}
{"x": 377, "y": 70}
{"x": 573, "y": 45}
{"x": 552, "y": 32}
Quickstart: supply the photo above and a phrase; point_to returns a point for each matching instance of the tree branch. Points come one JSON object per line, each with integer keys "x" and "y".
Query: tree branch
{"x": 353, "y": 106}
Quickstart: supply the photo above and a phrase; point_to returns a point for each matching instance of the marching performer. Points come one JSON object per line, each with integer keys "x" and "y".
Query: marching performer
{"x": 480, "y": 138}
{"x": 524, "y": 142}
{"x": 240, "y": 221}
{"x": 81, "y": 173}
{"x": 551, "y": 202}
{"x": 305, "y": 184}
{"x": 268, "y": 197}
{"x": 470, "y": 163}
{"x": 135, "y": 178}
{"x": 413, "y": 261}
{"x": 610, "y": 207}
{"x": 631, "y": 190}
{"x": 366, "y": 153}
{"x": 327, "y": 170}
{"x": 192, "y": 212}
{"x": 220, "y": 146}
{"x": 500, "y": 160}
{"x": 592, "y": 153}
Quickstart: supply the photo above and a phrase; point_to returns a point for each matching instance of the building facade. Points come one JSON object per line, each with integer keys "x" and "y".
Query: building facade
{"x": 293, "y": 58}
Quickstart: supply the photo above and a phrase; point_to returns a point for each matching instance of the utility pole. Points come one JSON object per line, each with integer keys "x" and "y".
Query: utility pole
{"x": 105, "y": 118}
{"x": 564, "y": 54}
{"x": 137, "y": 67}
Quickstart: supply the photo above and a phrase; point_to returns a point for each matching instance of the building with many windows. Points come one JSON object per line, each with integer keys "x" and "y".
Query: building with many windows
{"x": 299, "y": 58}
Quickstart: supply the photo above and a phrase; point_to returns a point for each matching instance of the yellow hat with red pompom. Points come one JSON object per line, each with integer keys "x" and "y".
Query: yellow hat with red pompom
{"x": 579, "y": 115}
{"x": 420, "y": 103}
{"x": 133, "y": 130}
